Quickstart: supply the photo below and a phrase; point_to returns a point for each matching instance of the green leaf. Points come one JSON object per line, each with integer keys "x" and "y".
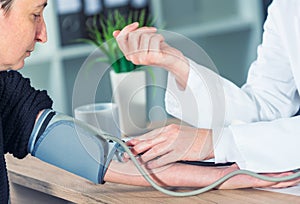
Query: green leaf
{"x": 130, "y": 18}
{"x": 101, "y": 35}
{"x": 142, "y": 18}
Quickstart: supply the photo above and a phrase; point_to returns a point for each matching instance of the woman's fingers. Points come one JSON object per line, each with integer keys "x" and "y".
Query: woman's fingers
{"x": 246, "y": 181}
{"x": 283, "y": 184}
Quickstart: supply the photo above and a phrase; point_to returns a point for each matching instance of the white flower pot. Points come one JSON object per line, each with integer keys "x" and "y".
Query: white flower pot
{"x": 129, "y": 93}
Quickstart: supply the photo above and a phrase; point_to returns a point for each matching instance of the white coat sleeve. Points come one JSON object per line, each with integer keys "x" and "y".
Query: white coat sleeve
{"x": 270, "y": 146}
{"x": 269, "y": 95}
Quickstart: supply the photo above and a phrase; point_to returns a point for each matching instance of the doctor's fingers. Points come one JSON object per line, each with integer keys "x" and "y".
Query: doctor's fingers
{"x": 148, "y": 144}
{"x": 152, "y": 134}
{"x": 150, "y": 49}
{"x": 121, "y": 35}
{"x": 144, "y": 48}
{"x": 154, "y": 159}
{"x": 129, "y": 38}
{"x": 129, "y": 28}
{"x": 141, "y": 146}
{"x": 143, "y": 143}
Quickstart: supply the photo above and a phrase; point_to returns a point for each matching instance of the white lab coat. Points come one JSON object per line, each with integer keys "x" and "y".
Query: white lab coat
{"x": 269, "y": 138}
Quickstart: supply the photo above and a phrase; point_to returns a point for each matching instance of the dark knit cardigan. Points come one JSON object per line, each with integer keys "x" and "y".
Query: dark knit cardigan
{"x": 19, "y": 106}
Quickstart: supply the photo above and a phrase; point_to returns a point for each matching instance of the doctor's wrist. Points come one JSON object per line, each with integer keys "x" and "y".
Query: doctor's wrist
{"x": 180, "y": 68}
{"x": 206, "y": 148}
{"x": 210, "y": 147}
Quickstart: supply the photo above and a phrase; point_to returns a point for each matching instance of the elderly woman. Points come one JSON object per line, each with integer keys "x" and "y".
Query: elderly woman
{"x": 29, "y": 125}
{"x": 21, "y": 26}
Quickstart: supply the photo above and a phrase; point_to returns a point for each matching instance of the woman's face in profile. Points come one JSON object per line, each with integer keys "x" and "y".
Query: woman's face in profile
{"x": 20, "y": 28}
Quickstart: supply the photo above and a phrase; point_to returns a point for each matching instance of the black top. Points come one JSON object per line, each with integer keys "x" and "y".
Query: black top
{"x": 19, "y": 105}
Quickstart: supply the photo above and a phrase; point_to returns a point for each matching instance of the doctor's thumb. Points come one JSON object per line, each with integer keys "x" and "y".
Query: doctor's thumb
{"x": 116, "y": 33}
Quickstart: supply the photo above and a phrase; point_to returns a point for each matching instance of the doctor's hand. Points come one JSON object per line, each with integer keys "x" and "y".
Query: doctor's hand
{"x": 172, "y": 143}
{"x": 144, "y": 46}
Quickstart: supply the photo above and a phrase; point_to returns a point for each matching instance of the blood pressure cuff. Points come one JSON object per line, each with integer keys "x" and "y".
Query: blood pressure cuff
{"x": 71, "y": 145}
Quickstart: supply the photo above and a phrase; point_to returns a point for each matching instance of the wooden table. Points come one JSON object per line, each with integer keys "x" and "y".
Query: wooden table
{"x": 34, "y": 174}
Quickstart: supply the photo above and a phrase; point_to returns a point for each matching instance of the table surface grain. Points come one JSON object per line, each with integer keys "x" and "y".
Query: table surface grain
{"x": 37, "y": 175}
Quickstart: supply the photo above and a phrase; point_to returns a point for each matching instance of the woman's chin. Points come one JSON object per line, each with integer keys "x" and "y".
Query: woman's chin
{"x": 18, "y": 66}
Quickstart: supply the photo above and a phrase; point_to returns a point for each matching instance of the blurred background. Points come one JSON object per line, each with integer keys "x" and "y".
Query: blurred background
{"x": 229, "y": 31}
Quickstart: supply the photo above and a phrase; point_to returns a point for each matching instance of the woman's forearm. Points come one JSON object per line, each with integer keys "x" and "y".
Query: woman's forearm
{"x": 178, "y": 175}
{"x": 182, "y": 175}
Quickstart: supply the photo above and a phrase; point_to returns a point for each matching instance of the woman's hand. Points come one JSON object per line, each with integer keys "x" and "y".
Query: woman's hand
{"x": 172, "y": 143}
{"x": 245, "y": 181}
{"x": 144, "y": 46}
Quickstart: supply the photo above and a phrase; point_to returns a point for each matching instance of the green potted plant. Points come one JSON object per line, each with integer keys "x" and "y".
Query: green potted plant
{"x": 128, "y": 80}
{"x": 100, "y": 33}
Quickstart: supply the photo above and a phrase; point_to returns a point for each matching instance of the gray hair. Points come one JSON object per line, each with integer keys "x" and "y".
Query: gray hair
{"x": 6, "y": 4}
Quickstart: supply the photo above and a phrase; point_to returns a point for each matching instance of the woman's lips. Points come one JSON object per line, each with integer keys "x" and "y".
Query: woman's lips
{"x": 28, "y": 52}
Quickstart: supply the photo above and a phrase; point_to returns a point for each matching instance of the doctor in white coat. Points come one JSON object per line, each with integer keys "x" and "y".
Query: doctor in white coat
{"x": 267, "y": 140}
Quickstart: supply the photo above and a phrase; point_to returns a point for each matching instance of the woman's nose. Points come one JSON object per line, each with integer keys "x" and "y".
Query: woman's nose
{"x": 41, "y": 33}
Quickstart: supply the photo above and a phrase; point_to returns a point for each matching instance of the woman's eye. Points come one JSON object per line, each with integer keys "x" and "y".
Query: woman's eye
{"x": 36, "y": 16}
